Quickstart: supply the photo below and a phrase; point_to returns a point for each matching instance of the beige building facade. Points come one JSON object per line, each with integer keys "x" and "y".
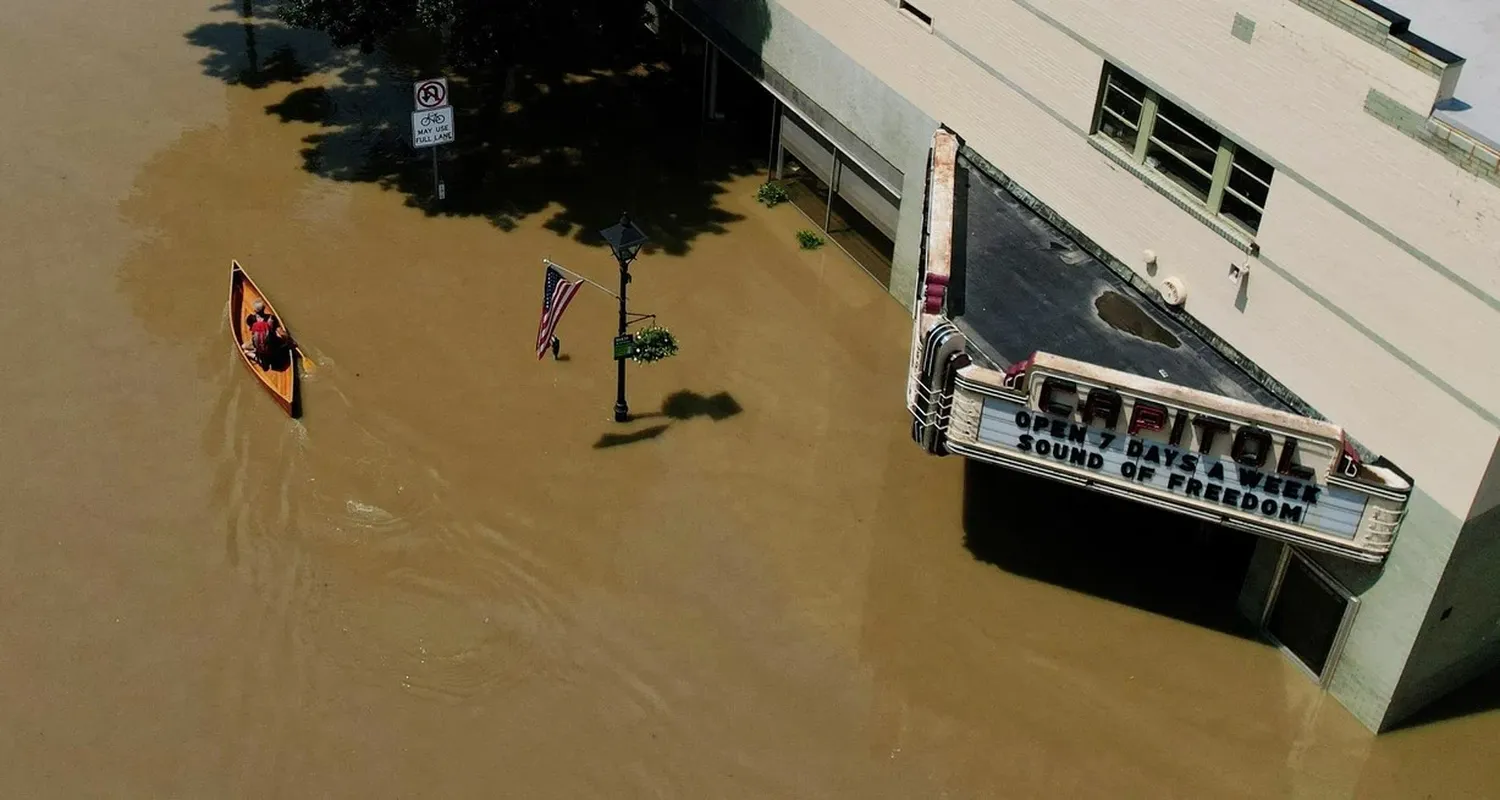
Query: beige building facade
{"x": 1273, "y": 175}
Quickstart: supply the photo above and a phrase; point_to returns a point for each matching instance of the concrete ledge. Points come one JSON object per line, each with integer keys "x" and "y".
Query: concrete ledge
{"x": 1468, "y": 154}
{"x": 749, "y": 59}
{"x": 1388, "y": 31}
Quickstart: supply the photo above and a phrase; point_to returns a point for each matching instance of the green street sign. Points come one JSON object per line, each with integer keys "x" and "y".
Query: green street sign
{"x": 624, "y": 346}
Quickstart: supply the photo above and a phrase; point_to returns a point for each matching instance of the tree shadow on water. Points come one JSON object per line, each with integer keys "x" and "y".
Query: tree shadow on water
{"x": 685, "y": 405}
{"x": 679, "y": 406}
{"x": 1108, "y": 547}
{"x": 580, "y": 135}
{"x": 258, "y": 51}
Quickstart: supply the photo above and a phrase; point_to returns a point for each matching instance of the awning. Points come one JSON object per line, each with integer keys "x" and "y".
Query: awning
{"x": 1021, "y": 284}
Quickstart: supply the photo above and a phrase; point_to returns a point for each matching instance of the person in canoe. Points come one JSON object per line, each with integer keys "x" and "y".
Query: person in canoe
{"x": 267, "y": 337}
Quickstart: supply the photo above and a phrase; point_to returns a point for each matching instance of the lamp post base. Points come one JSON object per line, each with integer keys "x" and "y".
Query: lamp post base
{"x": 622, "y": 412}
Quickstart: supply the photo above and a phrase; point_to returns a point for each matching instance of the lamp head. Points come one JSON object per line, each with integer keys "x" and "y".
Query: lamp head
{"x": 625, "y": 239}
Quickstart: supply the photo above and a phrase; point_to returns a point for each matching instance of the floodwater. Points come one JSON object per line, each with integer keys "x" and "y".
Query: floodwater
{"x": 456, "y": 577}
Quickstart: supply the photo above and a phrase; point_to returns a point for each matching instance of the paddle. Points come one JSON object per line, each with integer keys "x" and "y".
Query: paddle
{"x": 290, "y": 342}
{"x": 308, "y": 366}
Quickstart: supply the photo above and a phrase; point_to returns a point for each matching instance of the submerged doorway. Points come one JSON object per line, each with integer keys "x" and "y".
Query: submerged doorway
{"x": 1106, "y": 546}
{"x": 736, "y": 110}
{"x": 1309, "y": 613}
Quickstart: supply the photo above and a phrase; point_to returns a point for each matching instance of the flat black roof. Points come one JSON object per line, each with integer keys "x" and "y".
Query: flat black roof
{"x": 1022, "y": 284}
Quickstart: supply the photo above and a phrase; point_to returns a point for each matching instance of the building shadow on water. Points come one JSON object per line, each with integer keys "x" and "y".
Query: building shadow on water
{"x": 1479, "y": 696}
{"x": 613, "y": 123}
{"x": 679, "y": 407}
{"x": 1108, "y": 547}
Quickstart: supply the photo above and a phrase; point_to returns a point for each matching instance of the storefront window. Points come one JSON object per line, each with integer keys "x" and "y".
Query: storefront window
{"x": 864, "y": 219}
{"x": 863, "y": 241}
{"x": 806, "y": 189}
{"x": 863, "y": 214}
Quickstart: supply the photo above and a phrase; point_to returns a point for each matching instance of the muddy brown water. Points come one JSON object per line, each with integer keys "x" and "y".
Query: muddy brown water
{"x": 456, "y": 577}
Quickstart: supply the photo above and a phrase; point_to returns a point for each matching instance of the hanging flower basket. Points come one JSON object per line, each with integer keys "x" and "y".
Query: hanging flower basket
{"x": 652, "y": 344}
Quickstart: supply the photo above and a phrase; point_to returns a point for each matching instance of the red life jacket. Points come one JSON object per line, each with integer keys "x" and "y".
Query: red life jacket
{"x": 260, "y": 333}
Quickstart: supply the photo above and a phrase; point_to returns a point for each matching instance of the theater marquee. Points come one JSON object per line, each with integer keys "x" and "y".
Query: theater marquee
{"x": 1234, "y": 463}
{"x": 1239, "y": 464}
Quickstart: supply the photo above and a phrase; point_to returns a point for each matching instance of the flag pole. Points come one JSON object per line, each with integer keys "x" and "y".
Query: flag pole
{"x": 549, "y": 262}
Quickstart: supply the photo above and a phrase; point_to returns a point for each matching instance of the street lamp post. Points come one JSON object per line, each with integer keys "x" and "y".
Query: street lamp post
{"x": 625, "y": 241}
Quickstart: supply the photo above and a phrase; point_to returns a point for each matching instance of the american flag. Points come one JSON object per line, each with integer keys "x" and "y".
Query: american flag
{"x": 556, "y": 295}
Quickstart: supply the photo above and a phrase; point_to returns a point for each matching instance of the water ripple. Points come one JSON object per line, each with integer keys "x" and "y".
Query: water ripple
{"x": 366, "y": 560}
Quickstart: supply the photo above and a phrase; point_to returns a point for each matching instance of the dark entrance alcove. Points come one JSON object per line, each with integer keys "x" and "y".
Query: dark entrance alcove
{"x": 1109, "y": 547}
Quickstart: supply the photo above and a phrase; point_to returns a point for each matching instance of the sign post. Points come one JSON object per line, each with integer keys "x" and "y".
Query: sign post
{"x": 432, "y": 123}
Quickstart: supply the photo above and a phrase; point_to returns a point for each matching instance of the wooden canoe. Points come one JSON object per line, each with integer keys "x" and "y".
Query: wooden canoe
{"x": 280, "y": 379}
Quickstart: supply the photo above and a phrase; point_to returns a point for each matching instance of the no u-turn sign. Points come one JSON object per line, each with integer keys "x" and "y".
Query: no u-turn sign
{"x": 430, "y": 94}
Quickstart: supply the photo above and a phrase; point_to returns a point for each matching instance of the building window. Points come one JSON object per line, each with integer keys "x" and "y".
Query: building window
{"x": 1179, "y": 147}
{"x": 856, "y": 212}
{"x": 915, "y": 14}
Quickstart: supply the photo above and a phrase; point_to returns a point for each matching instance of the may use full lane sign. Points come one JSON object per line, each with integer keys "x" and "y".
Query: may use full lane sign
{"x": 432, "y": 127}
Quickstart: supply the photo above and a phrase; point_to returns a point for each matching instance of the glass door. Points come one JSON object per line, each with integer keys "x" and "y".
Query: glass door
{"x": 1309, "y": 614}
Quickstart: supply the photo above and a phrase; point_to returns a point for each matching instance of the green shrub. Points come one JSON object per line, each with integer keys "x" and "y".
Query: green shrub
{"x": 771, "y": 194}
{"x": 810, "y": 240}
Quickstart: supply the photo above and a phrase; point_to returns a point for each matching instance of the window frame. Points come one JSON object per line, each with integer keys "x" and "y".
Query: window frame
{"x": 1225, "y": 162}
{"x": 1289, "y": 557}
